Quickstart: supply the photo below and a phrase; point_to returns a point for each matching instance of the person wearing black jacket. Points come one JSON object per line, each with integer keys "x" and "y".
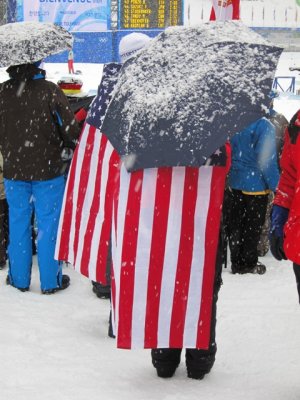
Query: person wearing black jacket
{"x": 36, "y": 124}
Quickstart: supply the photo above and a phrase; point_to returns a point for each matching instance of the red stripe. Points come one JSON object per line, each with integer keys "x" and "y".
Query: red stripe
{"x": 131, "y": 225}
{"x": 64, "y": 238}
{"x": 94, "y": 210}
{"x": 212, "y": 14}
{"x": 105, "y": 236}
{"x": 84, "y": 175}
{"x": 185, "y": 254}
{"x": 157, "y": 254}
{"x": 211, "y": 245}
{"x": 113, "y": 291}
{"x": 236, "y": 9}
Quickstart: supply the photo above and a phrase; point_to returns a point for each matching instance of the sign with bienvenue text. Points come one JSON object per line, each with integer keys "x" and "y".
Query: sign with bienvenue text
{"x": 73, "y": 15}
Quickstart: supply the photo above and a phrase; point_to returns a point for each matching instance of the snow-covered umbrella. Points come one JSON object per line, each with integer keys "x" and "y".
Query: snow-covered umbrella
{"x": 30, "y": 41}
{"x": 180, "y": 98}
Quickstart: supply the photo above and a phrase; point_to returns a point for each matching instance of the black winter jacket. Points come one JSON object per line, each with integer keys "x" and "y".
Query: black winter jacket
{"x": 36, "y": 122}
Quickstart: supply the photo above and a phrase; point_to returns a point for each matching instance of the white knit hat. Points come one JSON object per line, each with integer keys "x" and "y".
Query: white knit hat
{"x": 132, "y": 43}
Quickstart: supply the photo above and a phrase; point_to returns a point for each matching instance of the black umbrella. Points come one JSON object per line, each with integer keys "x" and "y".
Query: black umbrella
{"x": 27, "y": 42}
{"x": 180, "y": 98}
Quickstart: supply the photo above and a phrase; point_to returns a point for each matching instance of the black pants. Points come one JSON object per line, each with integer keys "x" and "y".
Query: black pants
{"x": 245, "y": 218}
{"x": 197, "y": 361}
{"x": 297, "y": 275}
{"x": 3, "y": 230}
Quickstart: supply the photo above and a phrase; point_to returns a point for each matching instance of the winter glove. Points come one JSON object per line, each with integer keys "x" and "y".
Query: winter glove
{"x": 279, "y": 216}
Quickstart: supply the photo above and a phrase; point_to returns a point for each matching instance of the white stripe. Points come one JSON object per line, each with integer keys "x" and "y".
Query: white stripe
{"x": 197, "y": 265}
{"x": 171, "y": 256}
{"x": 113, "y": 272}
{"x": 80, "y": 157}
{"x": 95, "y": 242}
{"x": 61, "y": 219}
{"x": 143, "y": 257}
{"x": 117, "y": 252}
{"x": 88, "y": 199}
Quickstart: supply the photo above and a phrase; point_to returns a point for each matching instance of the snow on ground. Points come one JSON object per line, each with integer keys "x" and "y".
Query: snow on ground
{"x": 56, "y": 347}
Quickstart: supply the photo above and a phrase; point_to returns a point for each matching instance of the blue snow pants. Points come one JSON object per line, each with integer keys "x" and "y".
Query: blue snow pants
{"x": 44, "y": 198}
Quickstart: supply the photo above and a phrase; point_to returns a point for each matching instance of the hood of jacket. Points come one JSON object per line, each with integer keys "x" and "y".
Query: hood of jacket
{"x": 25, "y": 72}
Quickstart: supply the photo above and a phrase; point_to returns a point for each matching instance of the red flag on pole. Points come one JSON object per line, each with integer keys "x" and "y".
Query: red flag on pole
{"x": 225, "y": 9}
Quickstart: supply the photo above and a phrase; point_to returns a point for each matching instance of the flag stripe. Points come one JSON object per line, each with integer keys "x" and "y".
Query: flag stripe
{"x": 195, "y": 286}
{"x": 119, "y": 214}
{"x": 90, "y": 208}
{"x": 211, "y": 244}
{"x": 105, "y": 235}
{"x": 171, "y": 256}
{"x": 63, "y": 233}
{"x": 156, "y": 261}
{"x": 70, "y": 228}
{"x": 128, "y": 259}
{"x": 143, "y": 255}
{"x": 184, "y": 257}
{"x": 84, "y": 176}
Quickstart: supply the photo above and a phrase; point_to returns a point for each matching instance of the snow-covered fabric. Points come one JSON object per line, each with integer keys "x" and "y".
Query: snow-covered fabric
{"x": 254, "y": 165}
{"x": 179, "y": 99}
{"x": 225, "y": 9}
{"x": 30, "y": 41}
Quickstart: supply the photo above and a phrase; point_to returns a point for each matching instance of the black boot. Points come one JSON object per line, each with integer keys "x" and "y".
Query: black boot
{"x": 65, "y": 282}
{"x": 165, "y": 361}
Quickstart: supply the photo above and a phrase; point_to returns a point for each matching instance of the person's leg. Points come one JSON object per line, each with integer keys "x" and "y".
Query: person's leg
{"x": 200, "y": 362}
{"x": 6, "y": 230}
{"x": 256, "y": 206}
{"x": 263, "y": 243}
{"x": 48, "y": 197}
{"x": 103, "y": 291}
{"x": 33, "y": 234}
{"x": 297, "y": 275}
{"x": 2, "y": 234}
{"x": 19, "y": 198}
{"x": 235, "y": 221}
{"x": 165, "y": 361}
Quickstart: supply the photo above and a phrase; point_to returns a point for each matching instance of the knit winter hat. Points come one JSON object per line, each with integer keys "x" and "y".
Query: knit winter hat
{"x": 132, "y": 43}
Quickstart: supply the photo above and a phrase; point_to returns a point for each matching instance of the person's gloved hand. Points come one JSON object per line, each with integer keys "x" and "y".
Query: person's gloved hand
{"x": 279, "y": 216}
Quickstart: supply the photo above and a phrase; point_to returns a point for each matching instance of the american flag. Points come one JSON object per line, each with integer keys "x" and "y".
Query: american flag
{"x": 164, "y": 253}
{"x": 84, "y": 228}
{"x": 164, "y": 227}
{"x": 225, "y": 10}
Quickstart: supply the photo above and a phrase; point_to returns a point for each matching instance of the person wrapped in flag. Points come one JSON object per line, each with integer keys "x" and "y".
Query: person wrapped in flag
{"x": 164, "y": 225}
{"x": 85, "y": 223}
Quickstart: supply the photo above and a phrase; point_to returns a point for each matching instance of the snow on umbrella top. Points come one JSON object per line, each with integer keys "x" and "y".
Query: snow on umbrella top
{"x": 180, "y": 98}
{"x": 30, "y": 41}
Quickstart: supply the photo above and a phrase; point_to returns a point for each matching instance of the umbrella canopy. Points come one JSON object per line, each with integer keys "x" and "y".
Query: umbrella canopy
{"x": 180, "y": 98}
{"x": 27, "y": 42}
